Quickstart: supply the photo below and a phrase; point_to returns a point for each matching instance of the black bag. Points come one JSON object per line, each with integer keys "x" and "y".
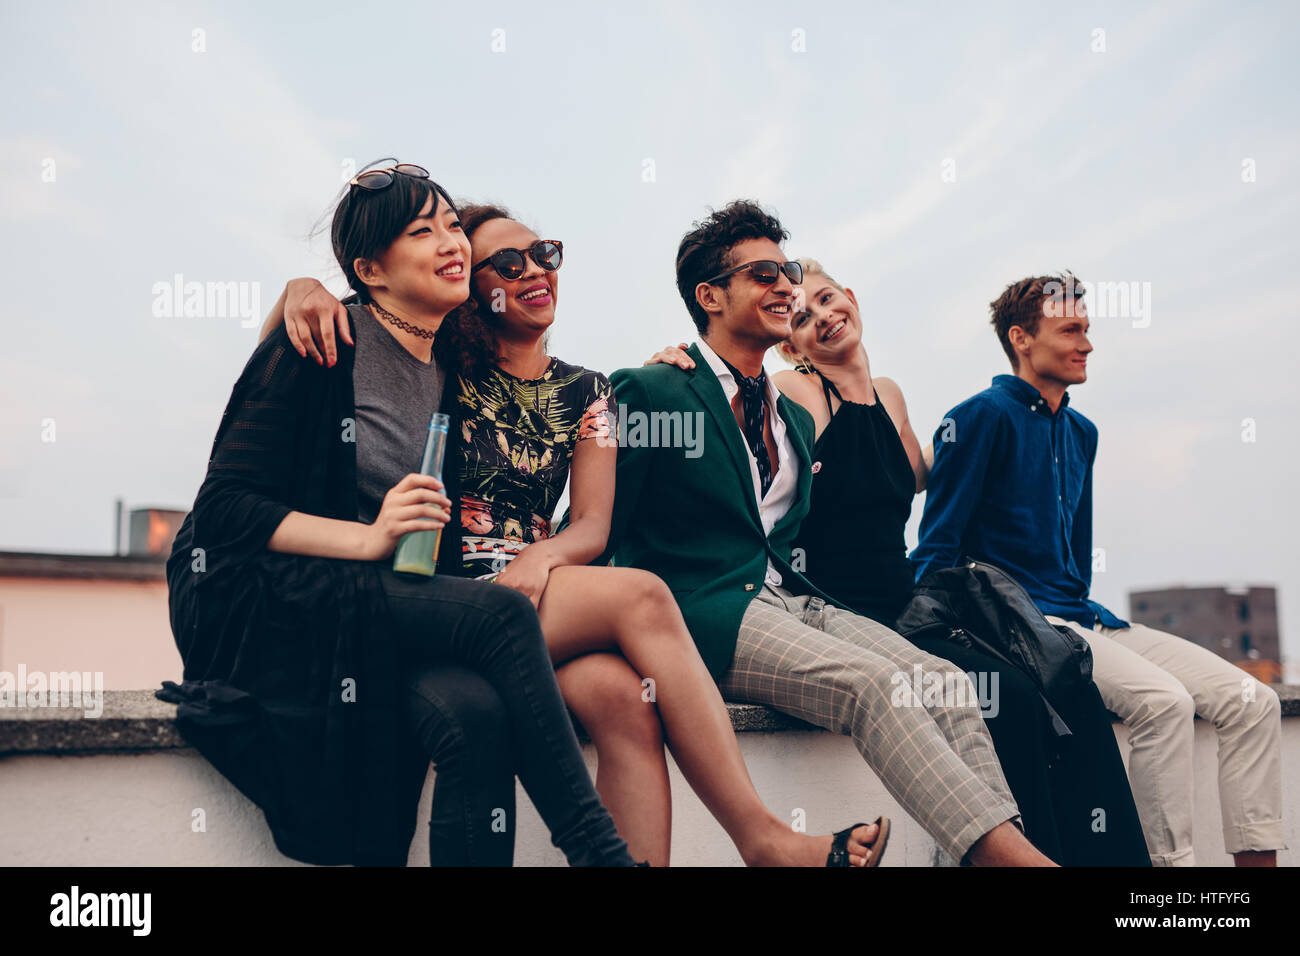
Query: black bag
{"x": 982, "y": 607}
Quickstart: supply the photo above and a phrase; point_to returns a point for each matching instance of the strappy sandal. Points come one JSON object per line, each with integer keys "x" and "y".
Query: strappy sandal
{"x": 839, "y": 855}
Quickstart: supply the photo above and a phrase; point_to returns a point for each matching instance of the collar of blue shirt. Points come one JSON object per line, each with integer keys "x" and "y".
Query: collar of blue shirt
{"x": 1022, "y": 391}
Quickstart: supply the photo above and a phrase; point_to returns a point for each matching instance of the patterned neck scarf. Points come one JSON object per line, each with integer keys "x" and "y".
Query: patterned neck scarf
{"x": 753, "y": 398}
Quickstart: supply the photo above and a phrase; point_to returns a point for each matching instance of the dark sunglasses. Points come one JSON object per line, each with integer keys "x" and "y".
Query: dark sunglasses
{"x": 510, "y": 264}
{"x": 766, "y": 271}
{"x": 377, "y": 179}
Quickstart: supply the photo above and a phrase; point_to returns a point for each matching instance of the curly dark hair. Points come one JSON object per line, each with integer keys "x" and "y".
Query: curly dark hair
{"x": 706, "y": 249}
{"x": 1021, "y": 303}
{"x": 466, "y": 340}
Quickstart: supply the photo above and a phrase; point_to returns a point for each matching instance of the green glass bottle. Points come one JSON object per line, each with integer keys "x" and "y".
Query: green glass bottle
{"x": 417, "y": 552}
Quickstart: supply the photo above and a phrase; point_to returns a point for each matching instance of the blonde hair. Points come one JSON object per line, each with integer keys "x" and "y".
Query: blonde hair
{"x": 810, "y": 267}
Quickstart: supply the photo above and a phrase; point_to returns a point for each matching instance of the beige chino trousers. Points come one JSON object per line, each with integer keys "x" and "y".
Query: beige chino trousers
{"x": 1156, "y": 682}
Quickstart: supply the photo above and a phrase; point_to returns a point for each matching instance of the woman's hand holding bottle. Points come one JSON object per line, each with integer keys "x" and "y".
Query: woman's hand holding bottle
{"x": 416, "y": 503}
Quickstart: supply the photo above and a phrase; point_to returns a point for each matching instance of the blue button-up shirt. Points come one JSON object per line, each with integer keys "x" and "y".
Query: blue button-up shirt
{"x": 1012, "y": 486}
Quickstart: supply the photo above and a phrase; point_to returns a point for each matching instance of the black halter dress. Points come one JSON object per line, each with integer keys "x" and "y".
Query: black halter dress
{"x": 862, "y": 492}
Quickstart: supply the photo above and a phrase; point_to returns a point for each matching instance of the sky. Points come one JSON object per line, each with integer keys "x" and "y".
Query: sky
{"x": 927, "y": 153}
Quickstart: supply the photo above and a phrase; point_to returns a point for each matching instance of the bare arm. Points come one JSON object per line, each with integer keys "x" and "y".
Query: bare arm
{"x": 310, "y": 314}
{"x": 415, "y": 503}
{"x": 591, "y": 496}
{"x": 892, "y": 396}
{"x": 591, "y": 505}
{"x": 275, "y": 316}
{"x": 301, "y": 533}
{"x": 803, "y": 390}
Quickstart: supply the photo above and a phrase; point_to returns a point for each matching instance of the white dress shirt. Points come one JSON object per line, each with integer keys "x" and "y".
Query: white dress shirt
{"x": 773, "y": 506}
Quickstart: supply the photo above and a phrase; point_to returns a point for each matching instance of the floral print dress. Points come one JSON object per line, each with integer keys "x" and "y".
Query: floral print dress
{"x": 518, "y": 437}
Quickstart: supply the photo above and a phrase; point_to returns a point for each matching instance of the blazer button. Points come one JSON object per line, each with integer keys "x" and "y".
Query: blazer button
{"x": 749, "y": 587}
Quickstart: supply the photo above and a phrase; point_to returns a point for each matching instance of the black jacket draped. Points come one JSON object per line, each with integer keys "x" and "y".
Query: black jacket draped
{"x": 292, "y": 686}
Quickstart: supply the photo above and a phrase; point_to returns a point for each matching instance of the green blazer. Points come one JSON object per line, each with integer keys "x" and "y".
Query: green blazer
{"x": 693, "y": 520}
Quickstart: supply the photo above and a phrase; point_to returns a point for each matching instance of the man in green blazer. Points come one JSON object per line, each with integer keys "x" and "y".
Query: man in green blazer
{"x": 714, "y": 472}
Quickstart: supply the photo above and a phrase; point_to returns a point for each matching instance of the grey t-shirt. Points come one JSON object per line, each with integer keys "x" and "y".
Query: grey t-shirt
{"x": 395, "y": 395}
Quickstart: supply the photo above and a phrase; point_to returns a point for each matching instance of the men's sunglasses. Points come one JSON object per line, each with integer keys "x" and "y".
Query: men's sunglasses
{"x": 766, "y": 271}
{"x": 377, "y": 179}
{"x": 510, "y": 263}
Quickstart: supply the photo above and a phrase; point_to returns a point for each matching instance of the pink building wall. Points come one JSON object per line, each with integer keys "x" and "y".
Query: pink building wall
{"x": 119, "y": 628}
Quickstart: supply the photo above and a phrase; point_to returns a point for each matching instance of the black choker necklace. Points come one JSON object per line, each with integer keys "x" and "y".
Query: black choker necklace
{"x": 403, "y": 325}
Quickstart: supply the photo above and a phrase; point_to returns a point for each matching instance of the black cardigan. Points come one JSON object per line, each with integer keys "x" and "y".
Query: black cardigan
{"x": 292, "y": 685}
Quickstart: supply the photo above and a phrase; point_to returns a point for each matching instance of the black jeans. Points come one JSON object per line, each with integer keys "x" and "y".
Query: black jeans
{"x": 1059, "y": 787}
{"x": 464, "y": 727}
{"x": 493, "y": 630}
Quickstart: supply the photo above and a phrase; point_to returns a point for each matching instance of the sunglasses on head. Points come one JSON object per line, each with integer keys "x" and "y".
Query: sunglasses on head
{"x": 765, "y": 271}
{"x": 510, "y": 263}
{"x": 377, "y": 179}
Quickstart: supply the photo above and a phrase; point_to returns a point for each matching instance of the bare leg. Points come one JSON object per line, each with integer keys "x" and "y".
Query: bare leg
{"x": 1255, "y": 858}
{"x": 586, "y": 609}
{"x": 632, "y": 772}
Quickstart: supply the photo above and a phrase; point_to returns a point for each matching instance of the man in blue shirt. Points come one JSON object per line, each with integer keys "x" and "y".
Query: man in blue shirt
{"x": 1012, "y": 486}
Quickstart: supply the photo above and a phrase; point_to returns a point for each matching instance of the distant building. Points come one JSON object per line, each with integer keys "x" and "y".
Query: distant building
{"x": 102, "y": 613}
{"x": 1239, "y": 624}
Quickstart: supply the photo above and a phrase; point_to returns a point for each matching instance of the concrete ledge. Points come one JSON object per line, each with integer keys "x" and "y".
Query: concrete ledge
{"x": 135, "y": 721}
{"x": 132, "y": 721}
{"x": 123, "y": 789}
